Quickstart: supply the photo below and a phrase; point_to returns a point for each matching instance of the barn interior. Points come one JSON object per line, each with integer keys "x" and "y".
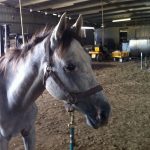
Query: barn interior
{"x": 102, "y": 16}
{"x": 113, "y": 30}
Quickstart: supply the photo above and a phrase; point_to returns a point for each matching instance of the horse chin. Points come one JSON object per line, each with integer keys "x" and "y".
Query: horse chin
{"x": 92, "y": 123}
{"x": 95, "y": 123}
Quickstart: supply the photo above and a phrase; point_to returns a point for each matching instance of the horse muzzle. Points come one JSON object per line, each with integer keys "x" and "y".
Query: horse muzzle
{"x": 100, "y": 118}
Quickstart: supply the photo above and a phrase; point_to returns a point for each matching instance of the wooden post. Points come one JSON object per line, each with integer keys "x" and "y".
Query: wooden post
{"x": 1, "y": 41}
{"x": 21, "y": 18}
{"x": 102, "y": 23}
{"x": 141, "y": 60}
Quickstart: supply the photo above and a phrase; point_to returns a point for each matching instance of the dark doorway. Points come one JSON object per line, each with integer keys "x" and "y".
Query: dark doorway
{"x": 123, "y": 34}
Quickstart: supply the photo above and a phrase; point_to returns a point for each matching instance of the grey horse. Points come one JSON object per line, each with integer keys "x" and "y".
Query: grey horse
{"x": 56, "y": 61}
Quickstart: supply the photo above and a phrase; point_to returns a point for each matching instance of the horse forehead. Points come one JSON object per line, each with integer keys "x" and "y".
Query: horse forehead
{"x": 73, "y": 52}
{"x": 79, "y": 52}
{"x": 75, "y": 45}
{"x": 76, "y": 50}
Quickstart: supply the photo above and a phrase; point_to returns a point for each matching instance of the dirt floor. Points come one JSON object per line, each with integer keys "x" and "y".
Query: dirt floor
{"x": 128, "y": 90}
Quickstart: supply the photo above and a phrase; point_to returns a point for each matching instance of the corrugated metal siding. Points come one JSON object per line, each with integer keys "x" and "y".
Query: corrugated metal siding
{"x": 139, "y": 32}
{"x": 110, "y": 33}
{"x": 134, "y": 32}
{"x": 143, "y": 32}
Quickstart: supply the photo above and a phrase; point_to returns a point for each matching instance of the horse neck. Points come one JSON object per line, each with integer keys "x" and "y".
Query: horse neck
{"x": 25, "y": 85}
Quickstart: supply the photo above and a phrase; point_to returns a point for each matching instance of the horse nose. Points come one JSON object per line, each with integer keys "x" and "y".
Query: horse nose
{"x": 103, "y": 114}
{"x": 100, "y": 117}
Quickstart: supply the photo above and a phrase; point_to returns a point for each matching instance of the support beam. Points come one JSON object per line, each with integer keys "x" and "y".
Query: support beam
{"x": 60, "y": 5}
{"x": 32, "y": 2}
{"x": 86, "y": 12}
{"x": 79, "y": 7}
{"x": 76, "y": 8}
{"x": 111, "y": 10}
{"x": 1, "y": 1}
{"x": 21, "y": 18}
{"x": 1, "y": 41}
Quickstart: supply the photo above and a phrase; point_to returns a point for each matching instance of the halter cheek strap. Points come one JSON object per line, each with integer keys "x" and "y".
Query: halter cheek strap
{"x": 71, "y": 97}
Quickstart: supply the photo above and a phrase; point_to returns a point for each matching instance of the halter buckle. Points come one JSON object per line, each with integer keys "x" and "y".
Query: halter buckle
{"x": 71, "y": 98}
{"x": 47, "y": 73}
{"x": 49, "y": 69}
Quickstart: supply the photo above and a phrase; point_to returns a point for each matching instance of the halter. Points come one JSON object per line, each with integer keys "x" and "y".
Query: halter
{"x": 71, "y": 97}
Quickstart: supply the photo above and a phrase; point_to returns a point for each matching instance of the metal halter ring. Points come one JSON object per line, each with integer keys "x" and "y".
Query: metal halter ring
{"x": 49, "y": 69}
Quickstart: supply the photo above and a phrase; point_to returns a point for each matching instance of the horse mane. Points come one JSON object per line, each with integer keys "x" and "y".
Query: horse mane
{"x": 15, "y": 54}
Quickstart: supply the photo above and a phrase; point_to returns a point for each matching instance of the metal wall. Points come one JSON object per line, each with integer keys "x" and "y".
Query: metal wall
{"x": 139, "y": 32}
{"x": 111, "y": 36}
{"x": 33, "y": 21}
{"x": 134, "y": 32}
{"x": 138, "y": 46}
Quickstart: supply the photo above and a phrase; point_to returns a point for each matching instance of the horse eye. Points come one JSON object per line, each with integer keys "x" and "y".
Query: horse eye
{"x": 70, "y": 67}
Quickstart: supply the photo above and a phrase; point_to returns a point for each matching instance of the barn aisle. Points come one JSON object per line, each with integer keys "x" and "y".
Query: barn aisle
{"x": 127, "y": 88}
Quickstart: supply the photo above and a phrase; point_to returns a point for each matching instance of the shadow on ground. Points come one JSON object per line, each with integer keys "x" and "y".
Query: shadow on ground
{"x": 102, "y": 65}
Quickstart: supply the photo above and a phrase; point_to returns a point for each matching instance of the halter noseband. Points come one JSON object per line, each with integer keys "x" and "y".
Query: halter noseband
{"x": 72, "y": 97}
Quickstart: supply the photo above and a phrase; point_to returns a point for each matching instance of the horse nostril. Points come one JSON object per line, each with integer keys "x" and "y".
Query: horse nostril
{"x": 105, "y": 111}
{"x": 98, "y": 114}
{"x": 104, "y": 117}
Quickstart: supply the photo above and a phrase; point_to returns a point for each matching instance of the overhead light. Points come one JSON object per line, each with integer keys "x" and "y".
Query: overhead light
{"x": 31, "y": 10}
{"x": 39, "y": 11}
{"x": 119, "y": 20}
{"x": 46, "y": 13}
{"x": 59, "y": 15}
{"x": 54, "y": 14}
{"x": 88, "y": 27}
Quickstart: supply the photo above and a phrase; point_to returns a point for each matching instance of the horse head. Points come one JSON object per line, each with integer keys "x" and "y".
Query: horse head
{"x": 70, "y": 76}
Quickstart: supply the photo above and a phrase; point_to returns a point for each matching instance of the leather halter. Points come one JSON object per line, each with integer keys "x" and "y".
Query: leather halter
{"x": 71, "y": 97}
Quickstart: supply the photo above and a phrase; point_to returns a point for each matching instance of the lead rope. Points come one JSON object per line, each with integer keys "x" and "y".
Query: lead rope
{"x": 71, "y": 130}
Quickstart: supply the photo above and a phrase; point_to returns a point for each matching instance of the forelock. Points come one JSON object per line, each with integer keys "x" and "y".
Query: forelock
{"x": 66, "y": 40}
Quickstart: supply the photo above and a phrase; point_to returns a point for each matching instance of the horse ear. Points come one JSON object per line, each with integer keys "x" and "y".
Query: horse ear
{"x": 60, "y": 28}
{"x": 77, "y": 26}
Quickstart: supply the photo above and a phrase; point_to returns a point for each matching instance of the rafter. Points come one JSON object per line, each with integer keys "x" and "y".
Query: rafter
{"x": 2, "y": 1}
{"x": 32, "y": 2}
{"x": 94, "y": 5}
{"x": 60, "y": 5}
{"x": 90, "y": 9}
{"x": 110, "y": 11}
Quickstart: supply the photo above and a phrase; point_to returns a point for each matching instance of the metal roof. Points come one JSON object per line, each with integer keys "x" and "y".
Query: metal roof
{"x": 137, "y": 10}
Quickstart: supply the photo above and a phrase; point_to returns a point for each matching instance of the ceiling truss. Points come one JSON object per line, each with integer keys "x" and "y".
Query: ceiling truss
{"x": 137, "y": 10}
